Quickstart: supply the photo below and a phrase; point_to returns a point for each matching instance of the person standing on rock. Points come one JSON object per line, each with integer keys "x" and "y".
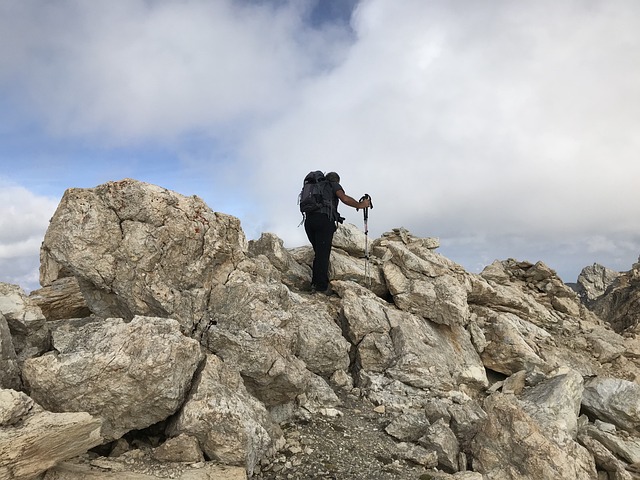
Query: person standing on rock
{"x": 320, "y": 228}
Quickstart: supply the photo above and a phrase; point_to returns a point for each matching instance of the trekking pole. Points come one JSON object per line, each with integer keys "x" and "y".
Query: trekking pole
{"x": 365, "y": 212}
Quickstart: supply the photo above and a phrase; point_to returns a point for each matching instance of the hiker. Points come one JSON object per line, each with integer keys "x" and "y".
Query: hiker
{"x": 320, "y": 227}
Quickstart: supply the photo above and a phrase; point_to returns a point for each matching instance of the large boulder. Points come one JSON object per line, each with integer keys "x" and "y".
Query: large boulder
{"x": 555, "y": 404}
{"x": 614, "y": 400}
{"x": 131, "y": 375}
{"x": 139, "y": 249}
{"x": 266, "y": 331}
{"x": 351, "y": 240}
{"x": 423, "y": 282}
{"x": 440, "y": 438}
{"x": 231, "y": 426}
{"x": 408, "y": 347}
{"x": 619, "y": 305}
{"x": 528, "y": 319}
{"x": 513, "y": 445}
{"x": 512, "y": 344}
{"x": 593, "y": 282}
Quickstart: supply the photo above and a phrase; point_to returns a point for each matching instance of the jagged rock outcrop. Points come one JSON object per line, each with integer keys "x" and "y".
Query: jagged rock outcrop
{"x": 614, "y": 400}
{"x": 230, "y": 425}
{"x": 619, "y": 305}
{"x": 30, "y": 335}
{"x": 10, "y": 371}
{"x": 267, "y": 332}
{"x": 422, "y": 281}
{"x": 593, "y": 282}
{"x": 209, "y": 344}
{"x": 405, "y": 347}
{"x": 529, "y": 320}
{"x": 294, "y": 274}
{"x": 131, "y": 375}
{"x": 512, "y": 444}
{"x": 138, "y": 249}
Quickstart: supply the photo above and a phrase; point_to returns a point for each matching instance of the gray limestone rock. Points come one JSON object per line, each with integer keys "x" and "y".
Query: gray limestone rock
{"x": 30, "y": 334}
{"x": 619, "y": 305}
{"x": 60, "y": 300}
{"x": 594, "y": 280}
{"x": 10, "y": 371}
{"x": 294, "y": 274}
{"x": 613, "y": 400}
{"x": 33, "y": 440}
{"x": 230, "y": 425}
{"x": 418, "y": 337}
{"x": 139, "y": 249}
{"x": 512, "y": 445}
{"x": 131, "y": 375}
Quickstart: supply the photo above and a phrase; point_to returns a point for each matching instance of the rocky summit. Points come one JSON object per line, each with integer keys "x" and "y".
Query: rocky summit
{"x": 163, "y": 344}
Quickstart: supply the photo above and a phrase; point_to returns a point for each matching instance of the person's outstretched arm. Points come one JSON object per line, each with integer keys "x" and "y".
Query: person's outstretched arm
{"x": 352, "y": 202}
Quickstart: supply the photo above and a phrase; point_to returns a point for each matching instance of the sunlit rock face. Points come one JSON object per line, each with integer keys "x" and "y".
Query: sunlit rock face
{"x": 161, "y": 319}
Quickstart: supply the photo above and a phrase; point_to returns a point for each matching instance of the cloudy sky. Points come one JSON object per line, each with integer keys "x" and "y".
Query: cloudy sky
{"x": 508, "y": 129}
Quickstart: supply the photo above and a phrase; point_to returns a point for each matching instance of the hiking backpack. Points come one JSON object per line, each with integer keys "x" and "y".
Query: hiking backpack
{"x": 316, "y": 195}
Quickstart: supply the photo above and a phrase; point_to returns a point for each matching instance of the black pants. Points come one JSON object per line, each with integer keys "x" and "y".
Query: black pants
{"x": 320, "y": 233}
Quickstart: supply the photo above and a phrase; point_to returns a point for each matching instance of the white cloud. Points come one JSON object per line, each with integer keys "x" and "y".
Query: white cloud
{"x": 24, "y": 218}
{"x": 515, "y": 120}
{"x": 505, "y": 128}
{"x": 133, "y": 70}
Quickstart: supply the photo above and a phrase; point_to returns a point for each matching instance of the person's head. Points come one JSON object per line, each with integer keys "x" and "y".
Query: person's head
{"x": 332, "y": 177}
